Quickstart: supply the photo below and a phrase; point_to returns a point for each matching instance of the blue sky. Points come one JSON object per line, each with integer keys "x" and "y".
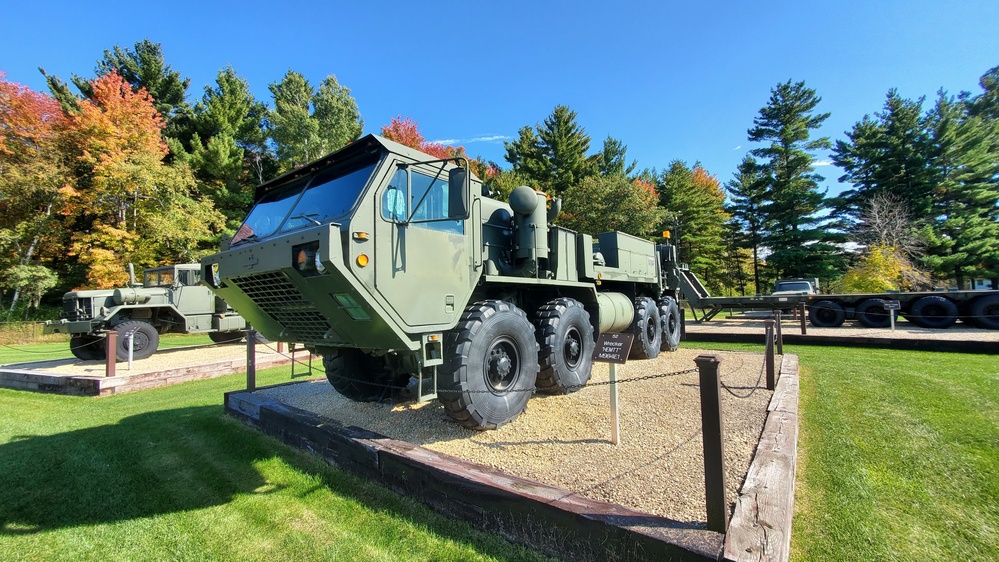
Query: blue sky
{"x": 672, "y": 80}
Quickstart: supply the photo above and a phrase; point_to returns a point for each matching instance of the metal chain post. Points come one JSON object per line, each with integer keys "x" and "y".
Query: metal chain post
{"x": 712, "y": 428}
{"x": 771, "y": 384}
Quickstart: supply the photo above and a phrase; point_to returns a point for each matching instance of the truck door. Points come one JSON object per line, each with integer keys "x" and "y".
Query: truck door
{"x": 423, "y": 262}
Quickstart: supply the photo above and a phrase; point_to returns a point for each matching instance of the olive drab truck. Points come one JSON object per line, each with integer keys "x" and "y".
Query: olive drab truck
{"x": 170, "y": 299}
{"x": 392, "y": 264}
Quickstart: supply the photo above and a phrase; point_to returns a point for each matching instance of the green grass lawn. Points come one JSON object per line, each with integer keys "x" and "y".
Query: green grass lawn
{"x": 898, "y": 455}
{"x": 898, "y": 460}
{"x": 165, "y": 475}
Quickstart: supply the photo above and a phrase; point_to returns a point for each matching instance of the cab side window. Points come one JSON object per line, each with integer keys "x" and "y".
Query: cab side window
{"x": 394, "y": 206}
{"x": 434, "y": 205}
{"x": 427, "y": 206}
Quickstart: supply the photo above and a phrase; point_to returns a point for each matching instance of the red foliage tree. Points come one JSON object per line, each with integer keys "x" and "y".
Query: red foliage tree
{"x": 406, "y": 131}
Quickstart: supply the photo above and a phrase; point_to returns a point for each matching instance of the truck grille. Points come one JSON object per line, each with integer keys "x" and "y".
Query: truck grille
{"x": 74, "y": 309}
{"x": 280, "y": 300}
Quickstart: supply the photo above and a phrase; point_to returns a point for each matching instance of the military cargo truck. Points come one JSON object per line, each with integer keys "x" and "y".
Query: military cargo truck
{"x": 169, "y": 299}
{"x": 390, "y": 263}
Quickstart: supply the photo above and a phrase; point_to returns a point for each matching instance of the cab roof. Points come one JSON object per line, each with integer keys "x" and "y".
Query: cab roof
{"x": 365, "y": 145}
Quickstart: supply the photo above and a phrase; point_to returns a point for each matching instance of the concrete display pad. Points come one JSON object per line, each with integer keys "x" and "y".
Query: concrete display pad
{"x": 165, "y": 367}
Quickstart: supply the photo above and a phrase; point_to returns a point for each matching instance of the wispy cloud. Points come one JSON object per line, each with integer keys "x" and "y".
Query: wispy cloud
{"x": 487, "y": 138}
{"x": 822, "y": 163}
{"x": 738, "y": 147}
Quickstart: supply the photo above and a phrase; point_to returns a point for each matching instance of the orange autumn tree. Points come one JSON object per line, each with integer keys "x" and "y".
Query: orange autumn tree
{"x": 128, "y": 205}
{"x": 31, "y": 177}
{"x": 406, "y": 131}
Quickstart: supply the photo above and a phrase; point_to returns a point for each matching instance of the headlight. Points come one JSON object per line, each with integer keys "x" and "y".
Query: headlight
{"x": 305, "y": 259}
{"x": 212, "y": 276}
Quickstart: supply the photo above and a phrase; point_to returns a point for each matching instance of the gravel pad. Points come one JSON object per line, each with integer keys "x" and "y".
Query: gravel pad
{"x": 564, "y": 441}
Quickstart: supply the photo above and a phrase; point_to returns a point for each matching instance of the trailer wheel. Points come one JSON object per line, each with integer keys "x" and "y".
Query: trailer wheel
{"x": 934, "y": 312}
{"x": 669, "y": 316}
{"x": 874, "y": 313}
{"x": 491, "y": 366}
{"x": 826, "y": 314}
{"x": 145, "y": 339}
{"x": 359, "y": 376}
{"x": 565, "y": 336}
{"x": 985, "y": 312}
{"x": 87, "y": 347}
{"x": 647, "y": 329}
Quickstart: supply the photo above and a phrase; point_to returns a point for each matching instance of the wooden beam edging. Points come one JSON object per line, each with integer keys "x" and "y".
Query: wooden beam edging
{"x": 553, "y": 520}
{"x": 760, "y": 528}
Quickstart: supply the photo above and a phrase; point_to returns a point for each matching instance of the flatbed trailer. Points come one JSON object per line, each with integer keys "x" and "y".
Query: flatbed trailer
{"x": 927, "y": 309}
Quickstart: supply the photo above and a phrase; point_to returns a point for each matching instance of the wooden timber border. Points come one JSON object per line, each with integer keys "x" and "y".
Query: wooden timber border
{"x": 23, "y": 377}
{"x": 553, "y": 520}
{"x": 760, "y": 528}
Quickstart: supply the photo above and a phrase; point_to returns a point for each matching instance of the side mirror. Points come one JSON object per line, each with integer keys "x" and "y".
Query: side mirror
{"x": 457, "y": 193}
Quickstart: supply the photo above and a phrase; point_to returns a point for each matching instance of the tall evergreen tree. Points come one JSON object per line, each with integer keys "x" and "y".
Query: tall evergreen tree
{"x": 336, "y": 111}
{"x": 800, "y": 246}
{"x": 695, "y": 200}
{"x": 747, "y": 192}
{"x": 986, "y": 104}
{"x": 964, "y": 236}
{"x": 612, "y": 160}
{"x": 553, "y": 154}
{"x": 306, "y": 124}
{"x": 887, "y": 154}
{"x": 292, "y": 128}
{"x": 229, "y": 151}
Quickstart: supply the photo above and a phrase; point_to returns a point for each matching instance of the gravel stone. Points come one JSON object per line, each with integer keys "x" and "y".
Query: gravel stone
{"x": 564, "y": 441}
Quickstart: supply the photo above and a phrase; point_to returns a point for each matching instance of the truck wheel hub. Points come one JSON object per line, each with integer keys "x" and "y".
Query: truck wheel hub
{"x": 501, "y": 366}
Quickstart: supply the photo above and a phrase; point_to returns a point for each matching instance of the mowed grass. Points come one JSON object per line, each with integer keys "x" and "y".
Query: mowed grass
{"x": 165, "y": 475}
{"x": 898, "y": 455}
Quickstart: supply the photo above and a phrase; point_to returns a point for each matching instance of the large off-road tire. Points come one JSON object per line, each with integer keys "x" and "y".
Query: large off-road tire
{"x": 87, "y": 347}
{"x": 145, "y": 339}
{"x": 669, "y": 319}
{"x": 933, "y": 312}
{"x": 226, "y": 337}
{"x": 874, "y": 313}
{"x": 565, "y": 335}
{"x": 647, "y": 329}
{"x": 491, "y": 365}
{"x": 826, "y": 314}
{"x": 361, "y": 377}
{"x": 985, "y": 312}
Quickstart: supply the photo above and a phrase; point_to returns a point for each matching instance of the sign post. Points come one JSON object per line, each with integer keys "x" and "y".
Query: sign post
{"x": 613, "y": 349}
{"x": 891, "y": 307}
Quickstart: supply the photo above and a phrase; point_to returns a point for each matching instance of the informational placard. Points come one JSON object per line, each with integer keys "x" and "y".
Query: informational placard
{"x": 891, "y": 307}
{"x": 613, "y": 348}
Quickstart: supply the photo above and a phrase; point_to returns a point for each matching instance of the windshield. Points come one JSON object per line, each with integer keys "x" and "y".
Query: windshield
{"x": 158, "y": 277}
{"x": 267, "y": 214}
{"x": 329, "y": 197}
{"x": 793, "y": 287}
{"x": 325, "y": 196}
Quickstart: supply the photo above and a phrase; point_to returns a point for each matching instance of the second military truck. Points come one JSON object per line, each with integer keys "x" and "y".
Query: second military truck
{"x": 169, "y": 299}
{"x": 390, "y": 264}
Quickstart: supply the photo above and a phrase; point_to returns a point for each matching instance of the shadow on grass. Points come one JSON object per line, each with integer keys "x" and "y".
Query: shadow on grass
{"x": 173, "y": 461}
{"x": 148, "y": 464}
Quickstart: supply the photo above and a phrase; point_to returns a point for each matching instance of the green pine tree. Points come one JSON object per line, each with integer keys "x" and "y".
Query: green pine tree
{"x": 799, "y": 243}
